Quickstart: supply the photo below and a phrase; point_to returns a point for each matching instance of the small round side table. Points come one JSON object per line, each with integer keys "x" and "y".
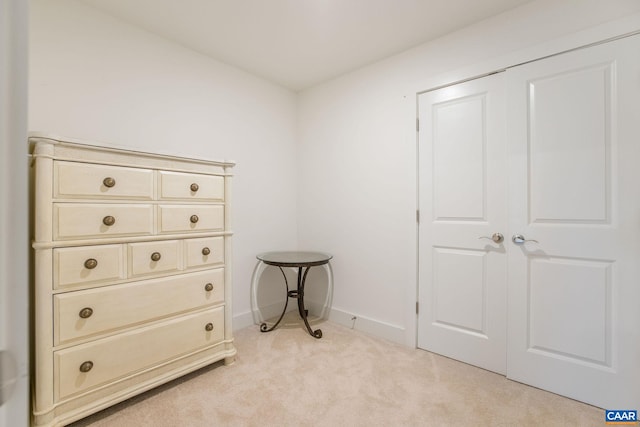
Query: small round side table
{"x": 303, "y": 261}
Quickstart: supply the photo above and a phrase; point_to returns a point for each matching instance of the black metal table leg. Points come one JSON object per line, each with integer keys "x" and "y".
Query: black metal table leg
{"x": 303, "y": 312}
{"x": 263, "y": 326}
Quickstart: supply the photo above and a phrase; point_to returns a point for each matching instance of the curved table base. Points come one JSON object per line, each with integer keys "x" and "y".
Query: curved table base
{"x": 297, "y": 293}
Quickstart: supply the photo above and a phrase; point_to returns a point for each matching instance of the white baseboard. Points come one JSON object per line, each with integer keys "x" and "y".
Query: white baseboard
{"x": 360, "y": 323}
{"x": 370, "y": 326}
{"x": 243, "y": 320}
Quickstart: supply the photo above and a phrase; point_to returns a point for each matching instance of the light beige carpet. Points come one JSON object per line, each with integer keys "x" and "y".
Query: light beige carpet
{"x": 347, "y": 378}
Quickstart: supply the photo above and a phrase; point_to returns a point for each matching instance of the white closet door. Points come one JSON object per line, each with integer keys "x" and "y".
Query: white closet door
{"x": 574, "y": 145}
{"x": 462, "y": 288}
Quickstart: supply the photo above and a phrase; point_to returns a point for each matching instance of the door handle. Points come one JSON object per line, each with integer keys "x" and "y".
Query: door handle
{"x": 519, "y": 239}
{"x": 496, "y": 237}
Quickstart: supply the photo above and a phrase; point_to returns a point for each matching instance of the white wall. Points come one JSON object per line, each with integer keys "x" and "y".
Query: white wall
{"x": 14, "y": 283}
{"x": 357, "y": 150}
{"x": 353, "y": 192}
{"x": 99, "y": 79}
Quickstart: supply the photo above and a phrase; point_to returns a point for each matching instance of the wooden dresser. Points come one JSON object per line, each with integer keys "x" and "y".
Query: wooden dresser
{"x": 132, "y": 273}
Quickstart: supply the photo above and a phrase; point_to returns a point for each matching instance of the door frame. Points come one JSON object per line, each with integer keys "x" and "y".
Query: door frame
{"x": 425, "y": 168}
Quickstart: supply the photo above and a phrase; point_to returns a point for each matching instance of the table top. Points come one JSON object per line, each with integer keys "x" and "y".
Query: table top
{"x": 294, "y": 258}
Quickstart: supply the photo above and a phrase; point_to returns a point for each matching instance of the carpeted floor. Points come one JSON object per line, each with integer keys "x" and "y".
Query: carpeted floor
{"x": 347, "y": 378}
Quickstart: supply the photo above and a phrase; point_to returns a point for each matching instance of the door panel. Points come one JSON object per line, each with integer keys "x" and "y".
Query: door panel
{"x": 556, "y": 312}
{"x": 569, "y": 113}
{"x": 458, "y": 159}
{"x": 573, "y": 292}
{"x": 462, "y": 198}
{"x": 466, "y": 315}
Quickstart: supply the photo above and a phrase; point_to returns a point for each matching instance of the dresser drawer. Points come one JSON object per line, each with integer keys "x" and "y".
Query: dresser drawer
{"x": 190, "y": 186}
{"x": 75, "y": 220}
{"x": 87, "y": 264}
{"x": 108, "y": 359}
{"x": 82, "y": 180}
{"x": 115, "y": 307}
{"x": 154, "y": 257}
{"x": 188, "y": 218}
{"x": 204, "y": 252}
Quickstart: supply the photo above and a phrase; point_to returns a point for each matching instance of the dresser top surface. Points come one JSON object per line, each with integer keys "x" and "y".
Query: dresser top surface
{"x": 59, "y": 146}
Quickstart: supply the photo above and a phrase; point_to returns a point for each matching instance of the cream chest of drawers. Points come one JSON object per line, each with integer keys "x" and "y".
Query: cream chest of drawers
{"x": 132, "y": 273}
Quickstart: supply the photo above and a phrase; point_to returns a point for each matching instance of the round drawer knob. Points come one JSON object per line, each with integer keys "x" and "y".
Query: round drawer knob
{"x": 86, "y": 312}
{"x": 194, "y": 187}
{"x": 194, "y": 219}
{"x": 108, "y": 220}
{"x": 209, "y": 327}
{"x": 156, "y": 256}
{"x": 208, "y": 287}
{"x": 91, "y": 263}
{"x": 86, "y": 366}
{"x": 206, "y": 251}
{"x": 109, "y": 182}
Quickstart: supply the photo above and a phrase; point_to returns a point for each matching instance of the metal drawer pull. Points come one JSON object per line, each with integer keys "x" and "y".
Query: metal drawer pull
{"x": 156, "y": 256}
{"x": 86, "y": 312}
{"x": 206, "y": 251}
{"x": 208, "y": 287}
{"x": 86, "y": 366}
{"x": 91, "y": 263}
{"x": 209, "y": 327}
{"x": 194, "y": 219}
{"x": 194, "y": 187}
{"x": 108, "y": 220}
{"x": 109, "y": 182}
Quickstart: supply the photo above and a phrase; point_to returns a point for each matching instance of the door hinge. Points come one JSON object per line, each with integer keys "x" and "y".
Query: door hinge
{"x": 417, "y": 124}
{"x": 418, "y": 216}
{"x": 417, "y": 307}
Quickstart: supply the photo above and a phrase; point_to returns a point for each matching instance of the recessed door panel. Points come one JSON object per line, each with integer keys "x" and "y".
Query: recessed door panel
{"x": 570, "y": 309}
{"x": 569, "y": 124}
{"x": 459, "y": 159}
{"x": 459, "y": 298}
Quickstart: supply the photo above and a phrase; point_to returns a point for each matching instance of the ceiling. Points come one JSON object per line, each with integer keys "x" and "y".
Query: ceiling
{"x": 300, "y": 43}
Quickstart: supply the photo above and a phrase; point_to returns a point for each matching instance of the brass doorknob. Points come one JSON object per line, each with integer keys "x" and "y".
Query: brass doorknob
{"x": 209, "y": 327}
{"x": 156, "y": 256}
{"x": 86, "y": 366}
{"x": 108, "y": 220}
{"x": 206, "y": 251}
{"x": 194, "y": 219}
{"x": 109, "y": 182}
{"x": 91, "y": 263}
{"x": 194, "y": 187}
{"x": 496, "y": 237}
